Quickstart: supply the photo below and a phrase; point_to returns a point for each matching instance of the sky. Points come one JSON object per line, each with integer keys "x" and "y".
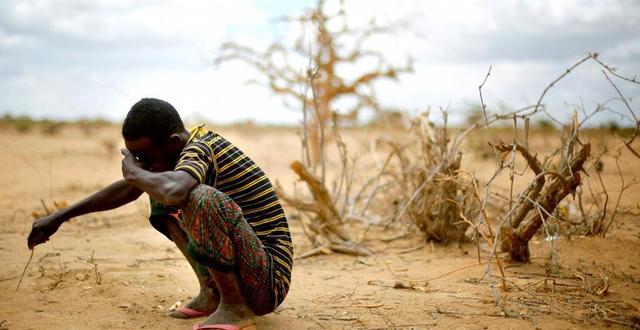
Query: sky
{"x": 74, "y": 59}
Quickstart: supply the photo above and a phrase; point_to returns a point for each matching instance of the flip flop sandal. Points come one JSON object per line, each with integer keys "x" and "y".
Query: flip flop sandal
{"x": 199, "y": 326}
{"x": 190, "y": 312}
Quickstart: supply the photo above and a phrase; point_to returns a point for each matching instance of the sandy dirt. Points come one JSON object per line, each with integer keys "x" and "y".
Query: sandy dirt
{"x": 111, "y": 270}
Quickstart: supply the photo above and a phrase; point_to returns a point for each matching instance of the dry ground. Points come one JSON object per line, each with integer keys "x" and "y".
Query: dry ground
{"x": 111, "y": 270}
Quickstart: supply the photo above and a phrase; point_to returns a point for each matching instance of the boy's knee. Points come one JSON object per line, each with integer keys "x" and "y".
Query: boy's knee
{"x": 223, "y": 261}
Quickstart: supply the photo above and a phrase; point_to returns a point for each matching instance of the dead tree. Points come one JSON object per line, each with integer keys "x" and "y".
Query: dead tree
{"x": 322, "y": 218}
{"x": 326, "y": 49}
{"x": 540, "y": 199}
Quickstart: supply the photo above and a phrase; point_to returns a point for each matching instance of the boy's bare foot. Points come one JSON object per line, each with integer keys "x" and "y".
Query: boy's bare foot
{"x": 238, "y": 315}
{"x": 207, "y": 301}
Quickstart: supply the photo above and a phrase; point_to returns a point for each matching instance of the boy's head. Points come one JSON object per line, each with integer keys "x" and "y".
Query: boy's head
{"x": 154, "y": 133}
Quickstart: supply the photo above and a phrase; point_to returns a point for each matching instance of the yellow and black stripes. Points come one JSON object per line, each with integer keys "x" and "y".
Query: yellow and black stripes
{"x": 213, "y": 160}
{"x": 195, "y": 159}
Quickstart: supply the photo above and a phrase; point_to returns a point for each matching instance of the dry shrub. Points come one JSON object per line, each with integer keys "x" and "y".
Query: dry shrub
{"x": 324, "y": 224}
{"x": 23, "y": 124}
{"x": 322, "y": 216}
{"x": 51, "y": 127}
{"x": 598, "y": 207}
{"x": 433, "y": 191}
{"x": 559, "y": 174}
{"x": 555, "y": 178}
{"x": 595, "y": 208}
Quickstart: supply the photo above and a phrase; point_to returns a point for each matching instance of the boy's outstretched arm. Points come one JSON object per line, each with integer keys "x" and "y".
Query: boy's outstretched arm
{"x": 169, "y": 187}
{"x": 112, "y": 196}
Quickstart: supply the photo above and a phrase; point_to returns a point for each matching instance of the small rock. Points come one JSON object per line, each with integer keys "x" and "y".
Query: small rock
{"x": 176, "y": 305}
{"x": 124, "y": 306}
{"x": 402, "y": 285}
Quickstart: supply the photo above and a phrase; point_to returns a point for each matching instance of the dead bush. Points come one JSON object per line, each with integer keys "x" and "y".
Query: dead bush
{"x": 431, "y": 188}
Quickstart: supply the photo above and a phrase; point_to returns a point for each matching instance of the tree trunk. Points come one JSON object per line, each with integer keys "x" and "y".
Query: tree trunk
{"x": 516, "y": 234}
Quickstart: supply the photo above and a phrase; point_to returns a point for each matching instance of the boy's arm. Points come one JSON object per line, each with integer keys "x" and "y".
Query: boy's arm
{"x": 169, "y": 188}
{"x": 112, "y": 196}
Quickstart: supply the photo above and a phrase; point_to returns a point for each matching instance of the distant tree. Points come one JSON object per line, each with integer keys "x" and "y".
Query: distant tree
{"x": 546, "y": 125}
{"x": 333, "y": 43}
{"x": 474, "y": 115}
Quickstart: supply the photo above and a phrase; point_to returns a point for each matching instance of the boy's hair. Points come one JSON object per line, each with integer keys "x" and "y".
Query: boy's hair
{"x": 152, "y": 118}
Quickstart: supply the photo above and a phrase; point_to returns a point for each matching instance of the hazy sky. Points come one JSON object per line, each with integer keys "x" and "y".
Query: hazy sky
{"x": 69, "y": 59}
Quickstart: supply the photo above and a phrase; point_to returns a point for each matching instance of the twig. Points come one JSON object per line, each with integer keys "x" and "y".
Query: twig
{"x": 417, "y": 192}
{"x": 482, "y": 105}
{"x": 532, "y": 161}
{"x": 635, "y": 118}
{"x": 304, "y": 134}
{"x": 46, "y": 209}
{"x": 631, "y": 325}
{"x": 600, "y": 229}
{"x": 320, "y": 249}
{"x": 9, "y": 278}
{"x": 433, "y": 278}
{"x": 615, "y": 209}
{"x": 320, "y": 123}
{"x": 450, "y": 272}
{"x": 318, "y": 322}
{"x": 544, "y": 92}
{"x": 541, "y": 300}
{"x": 393, "y": 238}
{"x": 415, "y": 248}
{"x": 613, "y": 71}
{"x": 376, "y": 187}
{"x": 25, "y": 270}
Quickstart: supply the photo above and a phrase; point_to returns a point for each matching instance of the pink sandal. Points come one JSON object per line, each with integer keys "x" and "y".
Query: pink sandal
{"x": 192, "y": 313}
{"x": 199, "y": 326}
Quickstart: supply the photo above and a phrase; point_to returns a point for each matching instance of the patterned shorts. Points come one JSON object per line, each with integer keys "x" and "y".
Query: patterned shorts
{"x": 220, "y": 238}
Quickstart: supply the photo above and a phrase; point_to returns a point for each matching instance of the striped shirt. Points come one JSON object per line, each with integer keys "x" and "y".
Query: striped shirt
{"x": 213, "y": 160}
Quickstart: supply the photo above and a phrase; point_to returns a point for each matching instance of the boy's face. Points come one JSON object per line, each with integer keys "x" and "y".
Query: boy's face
{"x": 153, "y": 158}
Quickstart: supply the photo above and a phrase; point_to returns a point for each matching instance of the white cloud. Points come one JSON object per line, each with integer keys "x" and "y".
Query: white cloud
{"x": 74, "y": 58}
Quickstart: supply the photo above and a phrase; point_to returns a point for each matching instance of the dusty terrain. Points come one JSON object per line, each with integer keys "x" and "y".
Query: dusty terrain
{"x": 111, "y": 270}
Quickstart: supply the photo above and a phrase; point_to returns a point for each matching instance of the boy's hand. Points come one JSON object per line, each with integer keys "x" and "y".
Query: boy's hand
{"x": 42, "y": 229}
{"x": 129, "y": 164}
